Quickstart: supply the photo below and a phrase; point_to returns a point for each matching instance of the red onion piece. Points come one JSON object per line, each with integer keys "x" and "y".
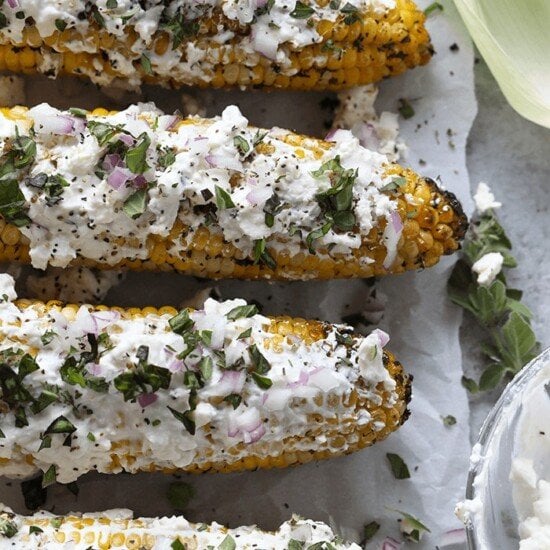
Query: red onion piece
{"x": 383, "y": 337}
{"x": 330, "y": 134}
{"x": 302, "y": 380}
{"x": 391, "y": 237}
{"x": 139, "y": 182}
{"x": 391, "y": 544}
{"x": 219, "y": 161}
{"x": 396, "y": 222}
{"x": 246, "y": 424}
{"x": 112, "y": 161}
{"x": 126, "y": 139}
{"x": 453, "y": 537}
{"x": 232, "y": 381}
{"x": 254, "y": 435}
{"x": 146, "y": 399}
{"x": 94, "y": 369}
{"x": 13, "y": 3}
{"x": 118, "y": 177}
{"x": 62, "y": 125}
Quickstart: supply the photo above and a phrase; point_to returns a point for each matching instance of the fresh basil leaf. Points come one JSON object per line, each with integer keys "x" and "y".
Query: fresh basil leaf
{"x": 228, "y": 543}
{"x": 434, "y": 6}
{"x": 145, "y": 63}
{"x": 180, "y": 494}
{"x": 223, "y": 198}
{"x": 233, "y": 399}
{"x": 302, "y": 11}
{"x": 136, "y": 156}
{"x": 262, "y": 381}
{"x": 134, "y": 206}
{"x": 491, "y": 377}
{"x": 239, "y": 312}
{"x": 181, "y": 323}
{"x": 242, "y": 145}
{"x": 259, "y": 363}
{"x": 49, "y": 477}
{"x": 370, "y": 530}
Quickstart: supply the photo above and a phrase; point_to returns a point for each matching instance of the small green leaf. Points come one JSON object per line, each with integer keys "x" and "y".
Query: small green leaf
{"x": 228, "y": 543}
{"x": 398, "y": 467}
{"x": 8, "y": 527}
{"x": 405, "y": 109}
{"x": 111, "y": 4}
{"x": 49, "y": 477}
{"x": 259, "y": 363}
{"x": 302, "y": 11}
{"x": 294, "y": 544}
{"x": 434, "y": 6}
{"x": 233, "y": 399}
{"x": 206, "y": 366}
{"x": 134, "y": 206}
{"x": 238, "y": 312}
{"x": 47, "y": 337}
{"x": 146, "y": 64}
{"x": 263, "y": 382}
{"x": 61, "y": 426}
{"x": 178, "y": 545}
{"x": 181, "y": 323}
{"x": 470, "y": 385}
{"x": 60, "y": 25}
{"x": 136, "y": 156}
{"x": 223, "y": 198}
{"x": 449, "y": 420}
{"x": 185, "y": 419}
{"x": 245, "y": 334}
{"x": 180, "y": 494}
{"x": 242, "y": 145}
{"x": 370, "y": 530}
{"x": 34, "y": 530}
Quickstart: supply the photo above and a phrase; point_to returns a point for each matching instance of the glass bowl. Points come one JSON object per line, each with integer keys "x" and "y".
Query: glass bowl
{"x": 492, "y": 521}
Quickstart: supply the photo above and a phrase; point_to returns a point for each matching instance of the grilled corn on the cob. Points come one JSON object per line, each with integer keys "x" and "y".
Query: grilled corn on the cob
{"x": 220, "y": 389}
{"x": 118, "y": 529}
{"x": 217, "y": 198}
{"x": 314, "y": 44}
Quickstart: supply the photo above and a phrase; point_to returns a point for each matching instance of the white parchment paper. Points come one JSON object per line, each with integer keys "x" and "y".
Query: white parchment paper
{"x": 350, "y": 491}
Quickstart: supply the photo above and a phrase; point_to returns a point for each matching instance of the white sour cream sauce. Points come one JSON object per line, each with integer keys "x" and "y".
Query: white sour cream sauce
{"x": 299, "y": 373}
{"x": 164, "y": 531}
{"x": 269, "y": 32}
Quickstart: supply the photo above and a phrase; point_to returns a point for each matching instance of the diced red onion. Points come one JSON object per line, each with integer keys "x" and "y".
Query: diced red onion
{"x": 259, "y": 196}
{"x": 219, "y": 161}
{"x": 13, "y": 3}
{"x": 146, "y": 399}
{"x": 175, "y": 365}
{"x": 232, "y": 381}
{"x": 126, "y": 139}
{"x": 247, "y": 424}
{"x": 254, "y": 435}
{"x": 453, "y": 537}
{"x": 383, "y": 337}
{"x": 260, "y": 3}
{"x": 57, "y": 124}
{"x": 200, "y": 138}
{"x": 167, "y": 122}
{"x": 94, "y": 369}
{"x": 391, "y": 544}
{"x": 118, "y": 177}
{"x": 330, "y": 134}
{"x": 396, "y": 222}
{"x": 111, "y": 161}
{"x": 302, "y": 380}
{"x": 139, "y": 182}
{"x": 367, "y": 135}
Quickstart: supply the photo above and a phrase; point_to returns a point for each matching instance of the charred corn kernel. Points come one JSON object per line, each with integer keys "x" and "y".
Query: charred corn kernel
{"x": 424, "y": 213}
{"x": 200, "y": 58}
{"x": 118, "y": 529}
{"x": 149, "y": 341}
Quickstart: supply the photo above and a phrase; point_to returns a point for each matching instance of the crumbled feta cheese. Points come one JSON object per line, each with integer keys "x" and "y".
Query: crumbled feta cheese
{"x": 484, "y": 199}
{"x": 488, "y": 267}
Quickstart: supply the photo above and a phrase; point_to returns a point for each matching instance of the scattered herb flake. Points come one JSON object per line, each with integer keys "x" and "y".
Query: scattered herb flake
{"x": 136, "y": 156}
{"x": 178, "y": 545}
{"x": 223, "y": 199}
{"x": 370, "y": 530}
{"x": 449, "y": 420}
{"x": 134, "y": 206}
{"x": 49, "y": 477}
{"x": 302, "y": 11}
{"x": 242, "y": 311}
{"x": 180, "y": 494}
{"x": 8, "y": 527}
{"x": 34, "y": 530}
{"x": 434, "y": 6}
{"x": 398, "y": 467}
{"x": 146, "y": 64}
{"x": 228, "y": 543}
{"x": 405, "y": 108}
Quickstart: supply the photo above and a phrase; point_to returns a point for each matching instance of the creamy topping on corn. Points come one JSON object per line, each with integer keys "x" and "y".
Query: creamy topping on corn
{"x": 271, "y": 24}
{"x": 99, "y": 187}
{"x": 79, "y": 386}
{"x": 161, "y": 533}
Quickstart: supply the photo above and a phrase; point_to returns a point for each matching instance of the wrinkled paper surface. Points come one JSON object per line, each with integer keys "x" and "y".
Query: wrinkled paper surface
{"x": 424, "y": 327}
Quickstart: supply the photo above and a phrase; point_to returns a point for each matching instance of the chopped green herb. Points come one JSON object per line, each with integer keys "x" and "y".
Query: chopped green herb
{"x": 181, "y": 323}
{"x": 301, "y": 11}
{"x": 90, "y": 436}
{"x": 134, "y": 206}
{"x": 166, "y": 157}
{"x": 262, "y": 381}
{"x": 49, "y": 477}
{"x": 317, "y": 234}
{"x": 52, "y": 185}
{"x": 223, "y": 198}
{"x": 405, "y": 108}
{"x": 178, "y": 545}
{"x": 233, "y": 399}
{"x": 136, "y": 156}
{"x": 146, "y": 64}
{"x": 259, "y": 362}
{"x": 34, "y": 530}
{"x": 60, "y": 25}
{"x": 238, "y": 312}
{"x": 102, "y": 131}
{"x": 469, "y": 384}
{"x": 242, "y": 145}
{"x": 228, "y": 543}
{"x": 80, "y": 113}
{"x": 411, "y": 527}
{"x": 97, "y": 17}
{"x": 394, "y": 184}
{"x": 294, "y": 544}
{"x": 266, "y": 8}
{"x": 260, "y": 254}
{"x": 398, "y": 467}
{"x": 245, "y": 334}
{"x": 272, "y": 207}
{"x": 181, "y": 28}
{"x": 369, "y": 531}
{"x": 8, "y": 527}
{"x": 352, "y": 14}
{"x": 433, "y": 7}
{"x": 185, "y": 419}
{"x": 111, "y": 4}
{"x": 56, "y": 522}
{"x": 180, "y": 494}
{"x": 206, "y": 367}
{"x": 449, "y": 420}
{"x": 12, "y": 203}
{"x": 47, "y": 337}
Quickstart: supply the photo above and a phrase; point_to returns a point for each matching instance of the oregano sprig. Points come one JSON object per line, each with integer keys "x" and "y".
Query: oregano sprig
{"x": 510, "y": 341}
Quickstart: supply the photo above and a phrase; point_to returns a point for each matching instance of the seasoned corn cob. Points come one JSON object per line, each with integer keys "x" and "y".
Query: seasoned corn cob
{"x": 221, "y": 389}
{"x": 315, "y": 44}
{"x": 118, "y": 529}
{"x": 214, "y": 198}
